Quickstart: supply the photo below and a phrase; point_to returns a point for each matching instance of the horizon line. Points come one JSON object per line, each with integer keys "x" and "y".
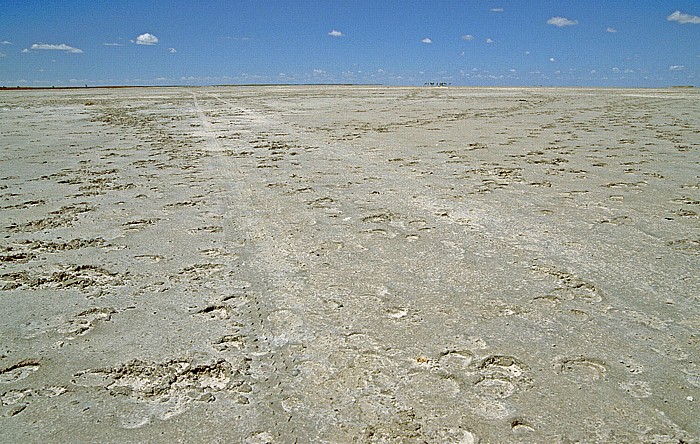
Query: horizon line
{"x": 73, "y": 87}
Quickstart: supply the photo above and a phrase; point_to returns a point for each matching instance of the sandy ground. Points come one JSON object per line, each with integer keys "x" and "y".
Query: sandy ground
{"x": 350, "y": 264}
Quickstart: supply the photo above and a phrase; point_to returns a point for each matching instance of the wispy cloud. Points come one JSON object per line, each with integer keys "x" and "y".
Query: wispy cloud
{"x": 172, "y": 50}
{"x": 113, "y": 44}
{"x": 468, "y": 37}
{"x": 427, "y": 40}
{"x": 146, "y": 39}
{"x": 681, "y": 18}
{"x": 552, "y": 59}
{"x": 611, "y": 30}
{"x": 61, "y": 47}
{"x": 490, "y": 41}
{"x": 560, "y": 22}
{"x": 2, "y": 55}
{"x": 5, "y": 42}
{"x": 496, "y": 9}
{"x": 335, "y": 33}
{"x": 237, "y": 39}
{"x": 676, "y": 68}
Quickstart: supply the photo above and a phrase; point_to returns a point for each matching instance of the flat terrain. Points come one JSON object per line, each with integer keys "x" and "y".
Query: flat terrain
{"x": 350, "y": 264}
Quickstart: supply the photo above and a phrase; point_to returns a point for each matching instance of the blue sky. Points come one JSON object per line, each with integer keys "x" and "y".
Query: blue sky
{"x": 645, "y": 43}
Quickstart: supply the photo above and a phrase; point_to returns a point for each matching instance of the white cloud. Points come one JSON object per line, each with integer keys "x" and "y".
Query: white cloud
{"x": 489, "y": 41}
{"x": 61, "y": 47}
{"x": 319, "y": 72}
{"x": 468, "y": 37}
{"x": 496, "y": 9}
{"x": 146, "y": 39}
{"x": 172, "y": 50}
{"x": 426, "y": 40}
{"x": 113, "y": 44}
{"x": 552, "y": 59}
{"x": 25, "y": 50}
{"x": 676, "y": 68}
{"x": 560, "y": 22}
{"x": 335, "y": 33}
{"x": 683, "y": 18}
{"x": 611, "y": 30}
{"x": 5, "y": 42}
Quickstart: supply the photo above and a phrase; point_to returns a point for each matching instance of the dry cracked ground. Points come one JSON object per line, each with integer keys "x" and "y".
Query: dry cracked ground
{"x": 350, "y": 264}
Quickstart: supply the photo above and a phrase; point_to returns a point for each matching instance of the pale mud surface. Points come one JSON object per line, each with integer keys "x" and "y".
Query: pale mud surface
{"x": 350, "y": 264}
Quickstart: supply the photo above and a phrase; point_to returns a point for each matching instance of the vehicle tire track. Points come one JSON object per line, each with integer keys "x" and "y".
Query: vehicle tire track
{"x": 271, "y": 364}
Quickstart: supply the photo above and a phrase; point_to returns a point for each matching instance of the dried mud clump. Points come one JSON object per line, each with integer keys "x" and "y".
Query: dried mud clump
{"x": 81, "y": 277}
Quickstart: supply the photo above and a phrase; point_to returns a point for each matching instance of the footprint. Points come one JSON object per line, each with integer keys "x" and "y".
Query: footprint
{"x": 139, "y": 224}
{"x": 582, "y": 369}
{"x": 549, "y": 300}
{"x": 320, "y": 203}
{"x": 215, "y": 252}
{"x": 501, "y": 376}
{"x": 383, "y": 217}
{"x": 520, "y": 425}
{"x": 456, "y": 362}
{"x": 86, "y": 321}
{"x": 219, "y": 312}
{"x": 496, "y": 388}
{"x": 18, "y": 400}
{"x": 208, "y": 229}
{"x": 183, "y": 204}
{"x": 150, "y": 257}
{"x": 396, "y": 313}
{"x": 380, "y": 232}
{"x": 198, "y": 272}
{"x": 18, "y": 371}
{"x": 15, "y": 409}
{"x": 506, "y": 366}
{"x": 230, "y": 342}
{"x": 691, "y": 246}
{"x": 571, "y": 286}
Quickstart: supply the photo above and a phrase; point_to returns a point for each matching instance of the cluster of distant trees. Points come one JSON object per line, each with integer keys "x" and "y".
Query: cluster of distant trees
{"x": 436, "y": 84}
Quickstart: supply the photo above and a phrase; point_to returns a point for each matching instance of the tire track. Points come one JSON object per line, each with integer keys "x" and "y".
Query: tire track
{"x": 271, "y": 365}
